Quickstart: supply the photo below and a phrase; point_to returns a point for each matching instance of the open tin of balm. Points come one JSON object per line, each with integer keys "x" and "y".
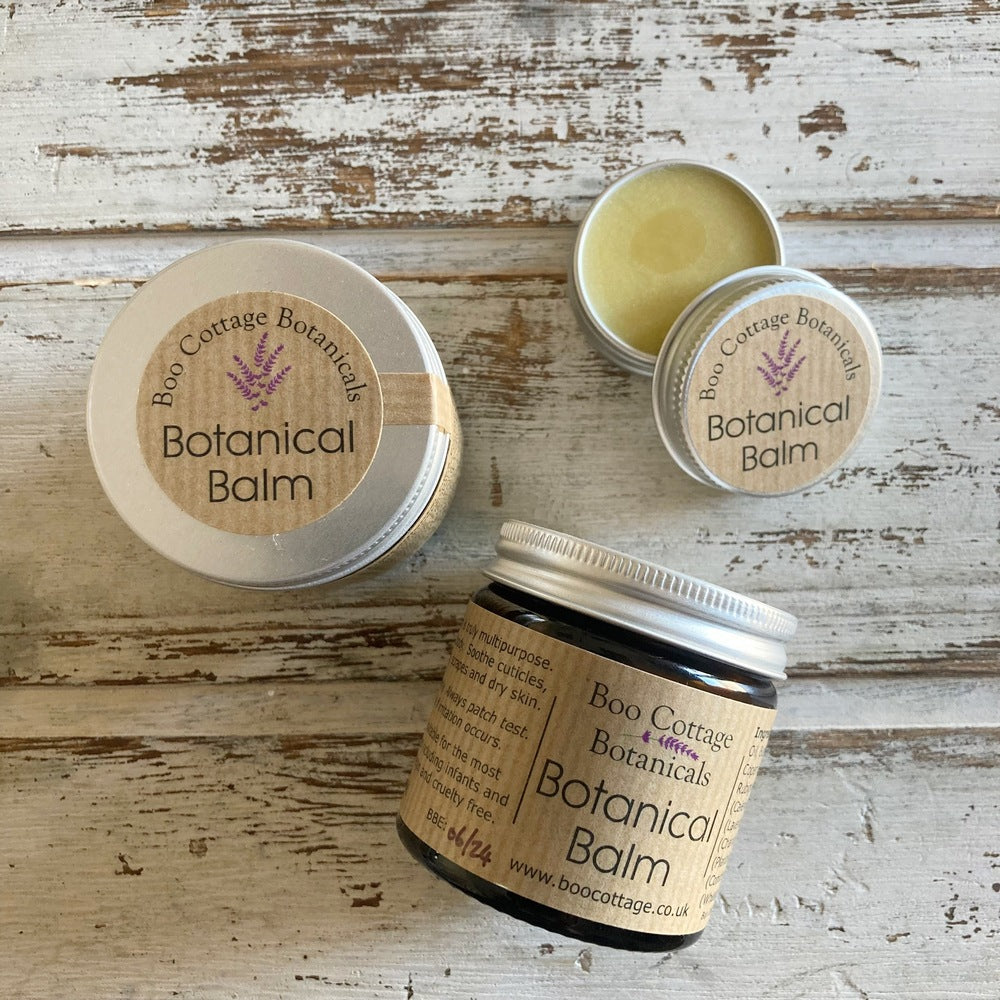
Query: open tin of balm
{"x": 653, "y": 241}
{"x": 269, "y": 415}
{"x": 764, "y": 376}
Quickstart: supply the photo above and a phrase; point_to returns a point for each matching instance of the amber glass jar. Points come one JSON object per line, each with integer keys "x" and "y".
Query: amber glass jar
{"x": 594, "y": 741}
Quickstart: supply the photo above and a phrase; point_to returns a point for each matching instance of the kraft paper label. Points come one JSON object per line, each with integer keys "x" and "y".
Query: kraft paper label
{"x": 259, "y": 412}
{"x": 418, "y": 398}
{"x": 580, "y": 783}
{"x": 779, "y": 394}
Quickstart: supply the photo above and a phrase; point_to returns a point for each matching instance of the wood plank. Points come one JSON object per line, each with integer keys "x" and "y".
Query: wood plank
{"x": 370, "y": 709}
{"x": 173, "y": 115}
{"x": 883, "y": 575}
{"x": 512, "y": 251}
{"x": 403, "y": 632}
{"x": 259, "y": 867}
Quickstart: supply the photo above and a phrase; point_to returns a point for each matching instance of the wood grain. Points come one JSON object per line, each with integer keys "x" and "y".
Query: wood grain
{"x": 392, "y": 708}
{"x": 269, "y": 866}
{"x": 198, "y": 785}
{"x": 179, "y": 115}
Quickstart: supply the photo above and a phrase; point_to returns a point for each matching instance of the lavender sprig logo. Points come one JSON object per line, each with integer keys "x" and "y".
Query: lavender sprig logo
{"x": 779, "y": 374}
{"x": 670, "y": 743}
{"x": 255, "y": 383}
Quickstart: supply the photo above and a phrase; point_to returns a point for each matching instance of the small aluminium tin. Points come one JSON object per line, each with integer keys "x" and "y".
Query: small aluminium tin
{"x": 269, "y": 415}
{"x": 766, "y": 382}
{"x": 764, "y": 376}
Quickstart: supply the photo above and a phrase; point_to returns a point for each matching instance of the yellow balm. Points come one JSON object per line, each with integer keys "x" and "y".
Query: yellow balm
{"x": 654, "y": 241}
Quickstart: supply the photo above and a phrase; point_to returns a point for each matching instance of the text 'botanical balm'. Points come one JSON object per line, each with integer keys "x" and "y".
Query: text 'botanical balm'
{"x": 269, "y": 415}
{"x": 652, "y": 242}
{"x": 592, "y": 746}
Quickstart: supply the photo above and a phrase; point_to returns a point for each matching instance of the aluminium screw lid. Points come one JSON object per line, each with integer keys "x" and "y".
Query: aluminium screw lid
{"x": 643, "y": 596}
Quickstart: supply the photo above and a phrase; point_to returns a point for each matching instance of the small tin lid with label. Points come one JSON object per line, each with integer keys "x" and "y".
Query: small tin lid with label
{"x": 643, "y": 596}
{"x": 766, "y": 381}
{"x": 269, "y": 415}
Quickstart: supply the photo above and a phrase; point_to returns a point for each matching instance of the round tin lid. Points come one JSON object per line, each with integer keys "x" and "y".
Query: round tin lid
{"x": 767, "y": 381}
{"x": 643, "y": 596}
{"x": 268, "y": 414}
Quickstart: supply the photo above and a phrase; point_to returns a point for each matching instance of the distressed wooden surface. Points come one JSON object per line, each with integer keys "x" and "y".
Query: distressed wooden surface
{"x": 269, "y": 866}
{"x": 308, "y": 114}
{"x": 883, "y": 574}
{"x": 197, "y": 785}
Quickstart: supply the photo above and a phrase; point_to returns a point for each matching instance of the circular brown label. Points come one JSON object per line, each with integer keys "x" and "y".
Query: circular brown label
{"x": 779, "y": 394}
{"x": 259, "y": 412}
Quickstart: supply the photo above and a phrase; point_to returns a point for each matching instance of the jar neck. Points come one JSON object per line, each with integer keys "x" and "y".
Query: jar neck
{"x": 657, "y": 656}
